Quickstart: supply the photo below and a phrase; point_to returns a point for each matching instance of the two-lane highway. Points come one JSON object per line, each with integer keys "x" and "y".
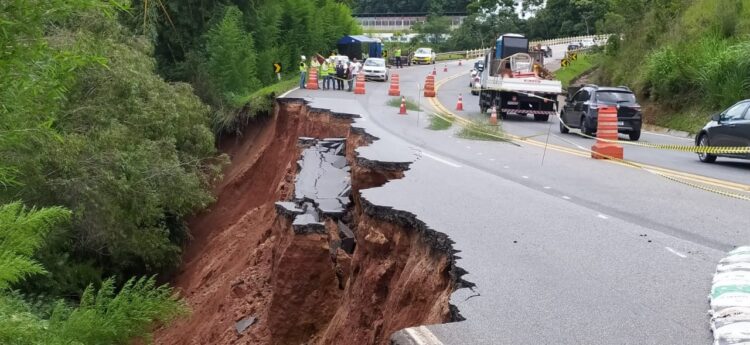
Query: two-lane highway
{"x": 563, "y": 249}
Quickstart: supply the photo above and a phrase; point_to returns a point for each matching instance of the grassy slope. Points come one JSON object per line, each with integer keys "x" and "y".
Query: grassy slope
{"x": 686, "y": 67}
{"x": 578, "y": 67}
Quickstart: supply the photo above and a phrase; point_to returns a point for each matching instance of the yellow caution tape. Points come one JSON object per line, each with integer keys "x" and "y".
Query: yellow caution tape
{"x": 670, "y": 175}
{"x": 716, "y": 150}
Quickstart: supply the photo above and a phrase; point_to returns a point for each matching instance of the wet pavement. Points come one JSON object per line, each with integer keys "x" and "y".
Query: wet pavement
{"x": 559, "y": 249}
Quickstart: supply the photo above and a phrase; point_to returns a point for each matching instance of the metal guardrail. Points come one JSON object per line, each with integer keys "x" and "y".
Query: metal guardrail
{"x": 477, "y": 53}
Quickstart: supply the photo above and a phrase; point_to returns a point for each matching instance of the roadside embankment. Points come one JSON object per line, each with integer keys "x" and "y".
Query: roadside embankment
{"x": 291, "y": 253}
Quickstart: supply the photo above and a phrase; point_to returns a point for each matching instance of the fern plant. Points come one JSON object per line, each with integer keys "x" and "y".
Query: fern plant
{"x": 104, "y": 315}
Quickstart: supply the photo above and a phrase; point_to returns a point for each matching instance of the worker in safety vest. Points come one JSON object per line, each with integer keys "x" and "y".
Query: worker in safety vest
{"x": 325, "y": 73}
{"x": 397, "y": 55}
{"x": 302, "y": 72}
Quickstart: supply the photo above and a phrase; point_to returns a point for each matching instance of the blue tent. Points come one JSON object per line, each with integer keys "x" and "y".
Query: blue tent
{"x": 355, "y": 46}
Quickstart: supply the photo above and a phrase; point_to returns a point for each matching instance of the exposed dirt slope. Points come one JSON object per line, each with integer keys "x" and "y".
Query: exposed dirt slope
{"x": 247, "y": 263}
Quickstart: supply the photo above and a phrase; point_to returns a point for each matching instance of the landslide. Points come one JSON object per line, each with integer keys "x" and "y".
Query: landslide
{"x": 252, "y": 276}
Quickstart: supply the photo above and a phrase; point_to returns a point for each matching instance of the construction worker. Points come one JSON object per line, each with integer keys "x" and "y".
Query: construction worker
{"x": 397, "y": 55}
{"x": 356, "y": 66}
{"x": 302, "y": 72}
{"x": 349, "y": 75}
{"x": 340, "y": 75}
{"x": 324, "y": 73}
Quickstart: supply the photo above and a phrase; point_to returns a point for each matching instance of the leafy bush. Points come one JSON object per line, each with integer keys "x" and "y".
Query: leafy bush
{"x": 103, "y": 316}
{"x": 95, "y": 129}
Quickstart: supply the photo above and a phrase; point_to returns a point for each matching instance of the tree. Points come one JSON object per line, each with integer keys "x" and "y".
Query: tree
{"x": 434, "y": 30}
{"x": 231, "y": 60}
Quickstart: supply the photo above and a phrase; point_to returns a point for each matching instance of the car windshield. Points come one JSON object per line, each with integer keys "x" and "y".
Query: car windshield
{"x": 423, "y": 51}
{"x": 375, "y": 62}
{"x": 615, "y": 97}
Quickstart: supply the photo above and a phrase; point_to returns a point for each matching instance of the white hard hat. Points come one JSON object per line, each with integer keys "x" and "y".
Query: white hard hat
{"x": 303, "y": 57}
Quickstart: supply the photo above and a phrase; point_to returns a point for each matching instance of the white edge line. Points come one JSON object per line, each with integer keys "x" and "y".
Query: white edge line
{"x": 441, "y": 160}
{"x": 675, "y": 252}
{"x": 422, "y": 336}
{"x": 288, "y": 92}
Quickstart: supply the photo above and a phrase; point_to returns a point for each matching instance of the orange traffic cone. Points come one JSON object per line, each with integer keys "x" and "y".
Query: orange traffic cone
{"x": 312, "y": 80}
{"x": 394, "y": 90}
{"x": 434, "y": 71}
{"x": 460, "y": 104}
{"x": 402, "y": 110}
{"x": 429, "y": 86}
{"x": 445, "y": 68}
{"x": 359, "y": 86}
{"x": 493, "y": 117}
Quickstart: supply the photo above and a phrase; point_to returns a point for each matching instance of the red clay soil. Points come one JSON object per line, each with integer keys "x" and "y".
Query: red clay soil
{"x": 245, "y": 260}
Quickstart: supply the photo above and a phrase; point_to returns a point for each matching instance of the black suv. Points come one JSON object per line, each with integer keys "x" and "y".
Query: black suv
{"x": 581, "y": 109}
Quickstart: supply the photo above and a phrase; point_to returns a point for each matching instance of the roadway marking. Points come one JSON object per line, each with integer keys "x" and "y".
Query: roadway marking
{"x": 422, "y": 336}
{"x": 524, "y": 176}
{"x": 566, "y": 197}
{"x": 547, "y": 187}
{"x": 479, "y": 153}
{"x": 492, "y": 159}
{"x": 583, "y": 152}
{"x": 675, "y": 252}
{"x": 506, "y": 167}
{"x": 468, "y": 147}
{"x": 441, "y": 160}
{"x": 288, "y": 92}
{"x": 602, "y": 216}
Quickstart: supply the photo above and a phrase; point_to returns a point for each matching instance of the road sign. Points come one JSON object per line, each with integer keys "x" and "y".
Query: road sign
{"x": 573, "y": 56}
{"x": 277, "y": 67}
{"x": 564, "y": 62}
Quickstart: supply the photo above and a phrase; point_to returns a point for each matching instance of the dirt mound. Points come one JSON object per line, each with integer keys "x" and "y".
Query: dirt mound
{"x": 251, "y": 278}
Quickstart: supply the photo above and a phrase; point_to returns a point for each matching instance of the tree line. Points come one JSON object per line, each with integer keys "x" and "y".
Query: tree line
{"x": 108, "y": 122}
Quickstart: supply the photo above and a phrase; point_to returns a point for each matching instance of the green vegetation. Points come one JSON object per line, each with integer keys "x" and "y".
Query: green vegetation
{"x": 444, "y": 57}
{"x": 111, "y": 158}
{"x": 226, "y": 49}
{"x": 104, "y": 316}
{"x": 576, "y": 68}
{"x": 410, "y": 103}
{"x": 477, "y": 130}
{"x": 440, "y": 122}
{"x": 689, "y": 59}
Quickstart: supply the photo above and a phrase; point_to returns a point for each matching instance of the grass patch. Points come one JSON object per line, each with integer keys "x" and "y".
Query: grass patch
{"x": 445, "y": 57}
{"x": 576, "y": 68}
{"x": 689, "y": 121}
{"x": 261, "y": 102}
{"x": 410, "y": 104}
{"x": 440, "y": 122}
{"x": 482, "y": 131}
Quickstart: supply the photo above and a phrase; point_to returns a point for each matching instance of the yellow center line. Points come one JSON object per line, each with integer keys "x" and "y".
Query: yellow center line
{"x": 582, "y": 153}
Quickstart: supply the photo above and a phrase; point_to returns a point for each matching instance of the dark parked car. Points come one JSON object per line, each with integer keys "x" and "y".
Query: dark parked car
{"x": 731, "y": 127}
{"x": 581, "y": 109}
{"x": 574, "y": 46}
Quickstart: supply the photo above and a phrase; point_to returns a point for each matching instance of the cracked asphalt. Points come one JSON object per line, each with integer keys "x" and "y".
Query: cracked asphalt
{"x": 562, "y": 249}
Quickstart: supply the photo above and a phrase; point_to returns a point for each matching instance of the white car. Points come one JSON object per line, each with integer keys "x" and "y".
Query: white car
{"x": 423, "y": 55}
{"x": 374, "y": 68}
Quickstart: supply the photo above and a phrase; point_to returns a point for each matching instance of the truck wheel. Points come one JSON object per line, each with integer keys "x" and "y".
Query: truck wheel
{"x": 635, "y": 135}
{"x": 483, "y": 109}
{"x": 541, "y": 118}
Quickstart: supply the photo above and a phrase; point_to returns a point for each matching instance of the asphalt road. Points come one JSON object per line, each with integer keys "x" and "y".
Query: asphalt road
{"x": 563, "y": 249}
